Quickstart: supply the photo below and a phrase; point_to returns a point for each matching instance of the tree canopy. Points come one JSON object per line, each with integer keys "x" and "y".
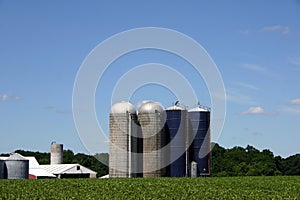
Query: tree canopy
{"x": 249, "y": 161}
{"x": 236, "y": 161}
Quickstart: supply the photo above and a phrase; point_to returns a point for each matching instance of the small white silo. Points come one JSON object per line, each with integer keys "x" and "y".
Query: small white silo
{"x": 56, "y": 154}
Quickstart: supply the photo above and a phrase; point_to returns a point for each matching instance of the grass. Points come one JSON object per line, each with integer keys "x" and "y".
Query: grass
{"x": 277, "y": 187}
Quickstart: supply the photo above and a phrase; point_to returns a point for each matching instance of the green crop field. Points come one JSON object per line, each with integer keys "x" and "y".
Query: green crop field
{"x": 156, "y": 188}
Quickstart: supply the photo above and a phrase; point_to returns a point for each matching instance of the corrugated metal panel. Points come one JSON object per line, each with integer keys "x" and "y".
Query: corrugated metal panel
{"x": 33, "y": 163}
{"x": 38, "y": 172}
{"x": 177, "y": 130}
{"x": 17, "y": 167}
{"x": 199, "y": 122}
{"x": 67, "y": 169}
{"x": 57, "y": 169}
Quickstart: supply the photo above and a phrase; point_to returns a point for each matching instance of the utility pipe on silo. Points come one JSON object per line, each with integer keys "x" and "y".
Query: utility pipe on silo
{"x": 129, "y": 144}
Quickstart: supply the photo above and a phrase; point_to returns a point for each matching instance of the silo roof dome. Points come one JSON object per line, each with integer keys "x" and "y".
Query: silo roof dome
{"x": 175, "y": 107}
{"x": 150, "y": 107}
{"x": 122, "y": 107}
{"x": 198, "y": 109}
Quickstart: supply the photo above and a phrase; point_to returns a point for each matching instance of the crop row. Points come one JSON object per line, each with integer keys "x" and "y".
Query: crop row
{"x": 155, "y": 188}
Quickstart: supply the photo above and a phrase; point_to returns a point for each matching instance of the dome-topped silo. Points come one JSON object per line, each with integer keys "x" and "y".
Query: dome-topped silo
{"x": 199, "y": 122}
{"x": 177, "y": 130}
{"x": 151, "y": 117}
{"x": 17, "y": 167}
{"x": 122, "y": 107}
{"x": 125, "y": 139}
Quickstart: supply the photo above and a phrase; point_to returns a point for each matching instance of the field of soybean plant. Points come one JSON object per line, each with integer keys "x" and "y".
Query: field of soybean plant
{"x": 276, "y": 187}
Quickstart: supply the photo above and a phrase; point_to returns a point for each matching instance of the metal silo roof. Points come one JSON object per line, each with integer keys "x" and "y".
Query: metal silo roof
{"x": 16, "y": 156}
{"x": 198, "y": 109}
{"x": 150, "y": 107}
{"x": 122, "y": 107}
{"x": 175, "y": 107}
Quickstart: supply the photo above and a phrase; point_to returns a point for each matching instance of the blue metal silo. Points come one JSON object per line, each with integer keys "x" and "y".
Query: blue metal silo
{"x": 176, "y": 126}
{"x": 199, "y": 122}
{"x": 2, "y": 169}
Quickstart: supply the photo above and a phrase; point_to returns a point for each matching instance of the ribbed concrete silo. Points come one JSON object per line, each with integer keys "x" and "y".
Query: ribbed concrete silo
{"x": 151, "y": 117}
{"x": 56, "y": 154}
{"x": 125, "y": 142}
{"x": 17, "y": 167}
{"x": 177, "y": 130}
{"x": 2, "y": 169}
{"x": 199, "y": 122}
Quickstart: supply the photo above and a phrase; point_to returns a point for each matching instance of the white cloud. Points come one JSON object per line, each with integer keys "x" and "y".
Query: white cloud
{"x": 271, "y": 28}
{"x": 246, "y": 85}
{"x": 257, "y": 110}
{"x": 3, "y": 97}
{"x": 274, "y": 28}
{"x": 17, "y": 98}
{"x": 236, "y": 96}
{"x": 295, "y": 101}
{"x": 7, "y": 97}
{"x": 254, "y": 110}
{"x": 254, "y": 67}
{"x": 292, "y": 108}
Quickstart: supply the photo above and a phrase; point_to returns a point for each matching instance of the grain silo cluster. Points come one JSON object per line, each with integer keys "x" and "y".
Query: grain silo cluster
{"x": 157, "y": 142}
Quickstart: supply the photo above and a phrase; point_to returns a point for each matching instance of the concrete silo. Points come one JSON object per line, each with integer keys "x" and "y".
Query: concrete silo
{"x": 177, "y": 130}
{"x": 199, "y": 122}
{"x": 56, "y": 154}
{"x": 125, "y": 142}
{"x": 151, "y": 117}
{"x": 2, "y": 169}
{"x": 17, "y": 167}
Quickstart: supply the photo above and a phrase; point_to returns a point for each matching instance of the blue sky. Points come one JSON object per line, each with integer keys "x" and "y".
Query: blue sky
{"x": 255, "y": 44}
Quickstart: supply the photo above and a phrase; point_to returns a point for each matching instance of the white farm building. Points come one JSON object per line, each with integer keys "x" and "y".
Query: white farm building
{"x": 69, "y": 171}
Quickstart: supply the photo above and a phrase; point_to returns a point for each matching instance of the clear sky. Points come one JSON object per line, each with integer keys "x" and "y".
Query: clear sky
{"x": 255, "y": 45}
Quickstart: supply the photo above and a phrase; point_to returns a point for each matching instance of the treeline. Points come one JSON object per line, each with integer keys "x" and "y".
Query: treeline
{"x": 249, "y": 161}
{"x": 91, "y": 162}
{"x": 237, "y": 161}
